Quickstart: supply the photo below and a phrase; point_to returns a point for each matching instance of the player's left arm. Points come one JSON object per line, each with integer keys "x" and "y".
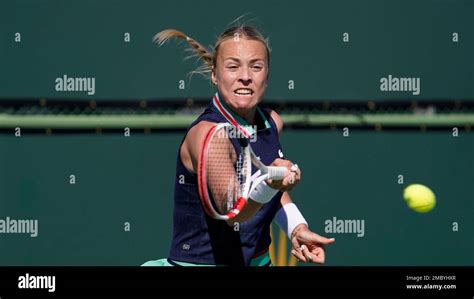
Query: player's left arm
{"x": 307, "y": 245}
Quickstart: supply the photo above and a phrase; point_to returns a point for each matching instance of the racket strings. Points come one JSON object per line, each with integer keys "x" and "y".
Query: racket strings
{"x": 224, "y": 175}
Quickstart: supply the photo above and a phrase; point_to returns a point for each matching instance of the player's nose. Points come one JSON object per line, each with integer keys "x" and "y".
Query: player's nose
{"x": 245, "y": 76}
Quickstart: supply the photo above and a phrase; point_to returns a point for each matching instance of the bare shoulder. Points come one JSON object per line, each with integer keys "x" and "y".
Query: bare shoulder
{"x": 193, "y": 144}
{"x": 276, "y": 119}
{"x": 197, "y": 133}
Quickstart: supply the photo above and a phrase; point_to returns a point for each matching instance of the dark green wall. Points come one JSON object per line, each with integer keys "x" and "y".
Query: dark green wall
{"x": 85, "y": 39}
{"x": 121, "y": 179}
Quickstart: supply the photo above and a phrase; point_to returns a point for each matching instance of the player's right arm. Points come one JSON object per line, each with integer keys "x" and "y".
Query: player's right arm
{"x": 192, "y": 145}
{"x": 190, "y": 152}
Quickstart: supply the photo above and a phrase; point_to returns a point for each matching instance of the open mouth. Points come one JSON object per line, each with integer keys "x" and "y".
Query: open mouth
{"x": 243, "y": 92}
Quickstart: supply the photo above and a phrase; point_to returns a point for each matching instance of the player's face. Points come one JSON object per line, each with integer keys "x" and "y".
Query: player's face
{"x": 241, "y": 73}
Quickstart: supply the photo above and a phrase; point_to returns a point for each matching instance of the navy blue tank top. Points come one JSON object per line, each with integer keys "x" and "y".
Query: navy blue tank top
{"x": 200, "y": 239}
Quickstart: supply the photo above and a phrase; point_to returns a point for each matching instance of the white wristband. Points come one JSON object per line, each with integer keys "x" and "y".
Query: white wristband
{"x": 289, "y": 217}
{"x": 263, "y": 193}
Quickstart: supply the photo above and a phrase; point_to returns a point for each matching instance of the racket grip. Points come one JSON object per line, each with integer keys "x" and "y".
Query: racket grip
{"x": 276, "y": 172}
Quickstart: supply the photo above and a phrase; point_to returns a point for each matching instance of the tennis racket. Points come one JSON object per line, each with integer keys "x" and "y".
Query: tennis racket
{"x": 225, "y": 178}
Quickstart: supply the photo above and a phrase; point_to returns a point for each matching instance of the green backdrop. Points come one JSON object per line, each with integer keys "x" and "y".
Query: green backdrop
{"x": 85, "y": 38}
{"x": 121, "y": 179}
{"x": 130, "y": 179}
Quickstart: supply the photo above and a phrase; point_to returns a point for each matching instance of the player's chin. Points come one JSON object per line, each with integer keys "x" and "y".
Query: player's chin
{"x": 246, "y": 101}
{"x": 244, "y": 104}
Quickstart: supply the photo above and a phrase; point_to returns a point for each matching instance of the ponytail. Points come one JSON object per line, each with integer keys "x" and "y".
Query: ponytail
{"x": 199, "y": 50}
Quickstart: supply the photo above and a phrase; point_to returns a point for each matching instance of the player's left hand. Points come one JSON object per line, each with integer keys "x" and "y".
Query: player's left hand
{"x": 309, "y": 246}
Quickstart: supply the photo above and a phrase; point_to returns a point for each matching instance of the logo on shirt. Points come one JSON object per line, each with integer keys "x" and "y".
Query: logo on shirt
{"x": 280, "y": 153}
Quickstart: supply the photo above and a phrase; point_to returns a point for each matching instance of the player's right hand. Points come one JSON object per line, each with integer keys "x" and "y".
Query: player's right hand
{"x": 290, "y": 181}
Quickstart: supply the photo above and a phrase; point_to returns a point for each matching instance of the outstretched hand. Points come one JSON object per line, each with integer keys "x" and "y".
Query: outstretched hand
{"x": 309, "y": 246}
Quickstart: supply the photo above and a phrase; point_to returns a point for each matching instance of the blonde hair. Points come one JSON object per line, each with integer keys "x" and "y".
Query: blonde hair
{"x": 207, "y": 57}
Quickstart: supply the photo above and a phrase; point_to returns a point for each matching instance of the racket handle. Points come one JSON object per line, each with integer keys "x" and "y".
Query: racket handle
{"x": 276, "y": 172}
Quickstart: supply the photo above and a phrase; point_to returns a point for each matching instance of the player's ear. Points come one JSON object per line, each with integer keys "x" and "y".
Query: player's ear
{"x": 213, "y": 76}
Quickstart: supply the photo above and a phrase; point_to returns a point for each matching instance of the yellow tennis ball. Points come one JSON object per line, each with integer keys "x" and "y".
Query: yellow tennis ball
{"x": 419, "y": 198}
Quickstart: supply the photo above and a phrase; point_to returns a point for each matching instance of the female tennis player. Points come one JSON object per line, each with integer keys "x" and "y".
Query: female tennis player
{"x": 239, "y": 68}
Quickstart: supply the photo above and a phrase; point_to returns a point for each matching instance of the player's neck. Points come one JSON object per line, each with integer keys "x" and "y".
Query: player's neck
{"x": 241, "y": 115}
{"x": 248, "y": 116}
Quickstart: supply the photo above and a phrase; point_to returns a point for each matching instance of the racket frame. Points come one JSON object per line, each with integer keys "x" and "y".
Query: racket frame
{"x": 251, "y": 180}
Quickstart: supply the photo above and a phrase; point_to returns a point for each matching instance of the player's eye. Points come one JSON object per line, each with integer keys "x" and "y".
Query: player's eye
{"x": 257, "y": 67}
{"x": 232, "y": 67}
